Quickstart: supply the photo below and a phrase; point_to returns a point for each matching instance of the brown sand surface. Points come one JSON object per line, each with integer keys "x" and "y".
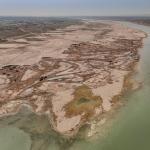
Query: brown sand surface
{"x": 55, "y": 71}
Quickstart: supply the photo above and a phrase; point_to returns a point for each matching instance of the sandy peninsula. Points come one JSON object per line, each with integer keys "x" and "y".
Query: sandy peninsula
{"x": 71, "y": 74}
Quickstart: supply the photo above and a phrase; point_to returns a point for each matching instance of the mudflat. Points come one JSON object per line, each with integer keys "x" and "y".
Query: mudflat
{"x": 72, "y": 74}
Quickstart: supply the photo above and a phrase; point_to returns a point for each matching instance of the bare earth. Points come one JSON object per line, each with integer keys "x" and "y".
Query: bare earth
{"x": 71, "y": 74}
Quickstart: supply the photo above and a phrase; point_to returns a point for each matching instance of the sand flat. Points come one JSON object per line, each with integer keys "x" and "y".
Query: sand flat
{"x": 95, "y": 55}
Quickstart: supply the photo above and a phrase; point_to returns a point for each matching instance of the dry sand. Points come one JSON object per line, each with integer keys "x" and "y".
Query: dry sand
{"x": 45, "y": 73}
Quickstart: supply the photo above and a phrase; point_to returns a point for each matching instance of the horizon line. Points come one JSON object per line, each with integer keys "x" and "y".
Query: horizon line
{"x": 75, "y": 16}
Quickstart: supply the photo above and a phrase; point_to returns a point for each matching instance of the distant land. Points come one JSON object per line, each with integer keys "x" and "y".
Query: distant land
{"x": 144, "y": 20}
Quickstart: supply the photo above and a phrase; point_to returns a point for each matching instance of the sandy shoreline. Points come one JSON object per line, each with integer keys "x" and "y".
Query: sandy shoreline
{"x": 55, "y": 75}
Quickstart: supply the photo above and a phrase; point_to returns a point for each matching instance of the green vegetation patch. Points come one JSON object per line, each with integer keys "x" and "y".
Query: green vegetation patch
{"x": 84, "y": 102}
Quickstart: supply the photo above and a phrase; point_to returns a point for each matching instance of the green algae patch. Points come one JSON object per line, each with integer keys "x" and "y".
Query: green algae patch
{"x": 84, "y": 102}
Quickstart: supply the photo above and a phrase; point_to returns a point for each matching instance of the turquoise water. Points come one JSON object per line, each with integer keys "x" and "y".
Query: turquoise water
{"x": 13, "y": 138}
{"x": 130, "y": 128}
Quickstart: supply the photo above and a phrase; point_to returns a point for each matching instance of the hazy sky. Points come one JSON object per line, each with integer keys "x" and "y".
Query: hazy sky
{"x": 74, "y": 7}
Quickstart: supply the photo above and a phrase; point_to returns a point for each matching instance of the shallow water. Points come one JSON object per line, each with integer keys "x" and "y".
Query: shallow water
{"x": 28, "y": 131}
{"x": 13, "y": 138}
{"x": 130, "y": 129}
